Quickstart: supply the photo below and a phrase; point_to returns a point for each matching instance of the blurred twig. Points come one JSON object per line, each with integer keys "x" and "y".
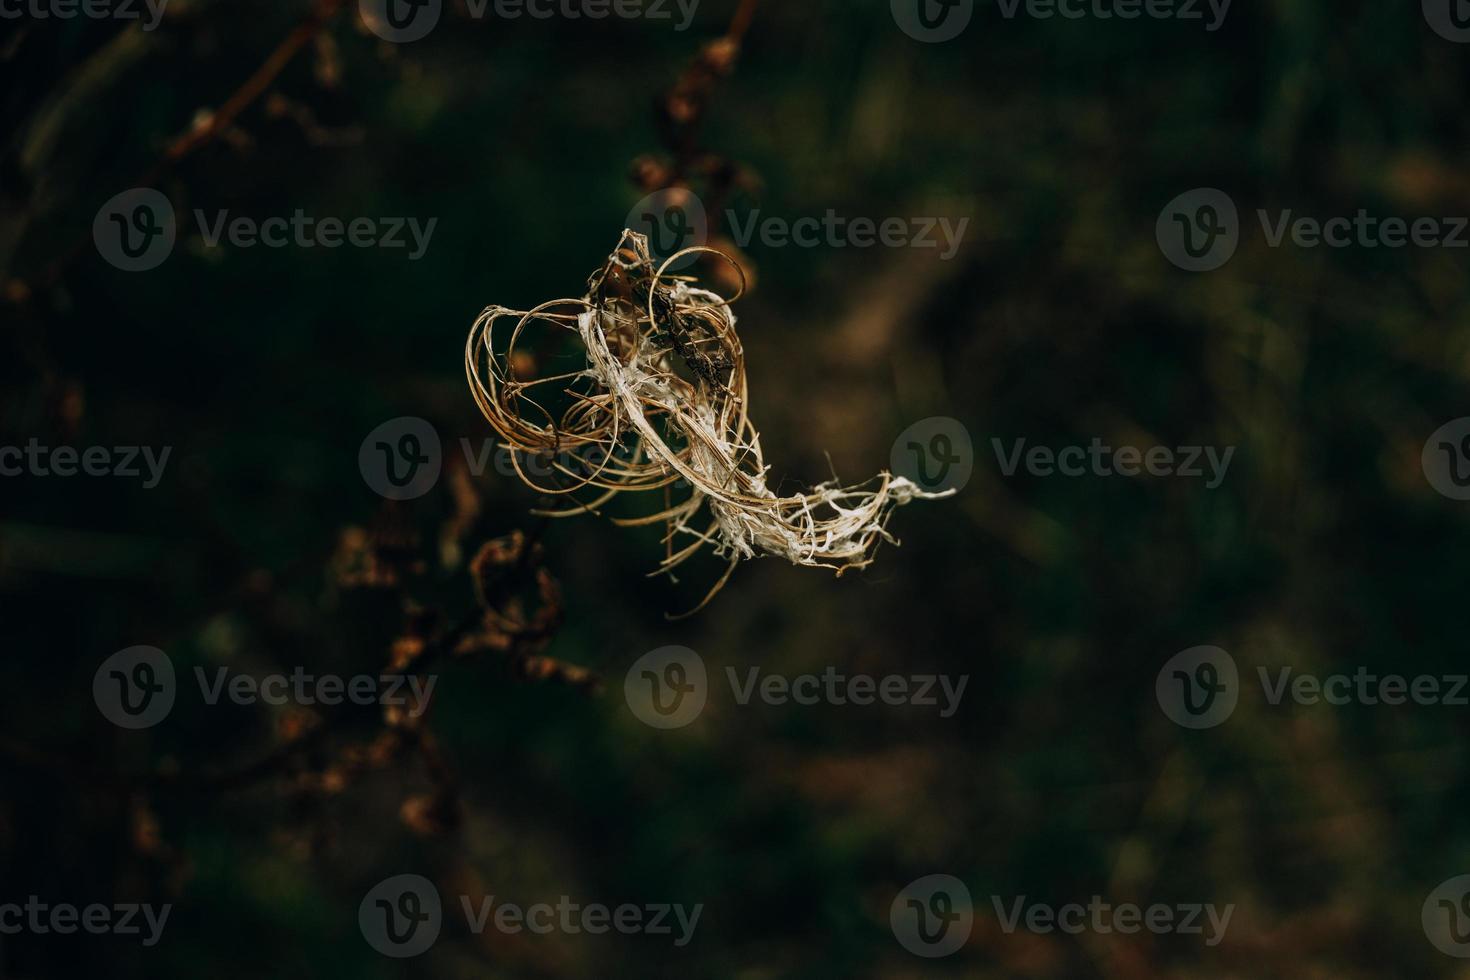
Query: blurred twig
{"x": 207, "y": 128}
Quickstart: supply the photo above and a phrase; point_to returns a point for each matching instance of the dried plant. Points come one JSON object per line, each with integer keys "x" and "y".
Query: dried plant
{"x": 635, "y": 424}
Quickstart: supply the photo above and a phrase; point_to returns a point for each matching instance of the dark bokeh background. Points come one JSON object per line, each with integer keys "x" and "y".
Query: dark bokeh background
{"x": 1059, "y": 778}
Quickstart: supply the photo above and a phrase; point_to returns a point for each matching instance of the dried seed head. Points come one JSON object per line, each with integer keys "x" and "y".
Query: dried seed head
{"x": 634, "y": 424}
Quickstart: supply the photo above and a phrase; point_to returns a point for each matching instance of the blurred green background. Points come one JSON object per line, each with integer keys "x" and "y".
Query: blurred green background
{"x": 1058, "y": 321}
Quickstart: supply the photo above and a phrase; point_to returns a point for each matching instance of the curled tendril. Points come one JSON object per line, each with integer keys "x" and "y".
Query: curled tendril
{"x": 630, "y": 422}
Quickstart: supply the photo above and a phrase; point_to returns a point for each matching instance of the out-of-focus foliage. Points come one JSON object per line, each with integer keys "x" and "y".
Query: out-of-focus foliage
{"x": 1057, "y": 322}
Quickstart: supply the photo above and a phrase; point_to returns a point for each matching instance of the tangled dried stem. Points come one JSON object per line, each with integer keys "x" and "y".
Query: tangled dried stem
{"x": 633, "y": 423}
